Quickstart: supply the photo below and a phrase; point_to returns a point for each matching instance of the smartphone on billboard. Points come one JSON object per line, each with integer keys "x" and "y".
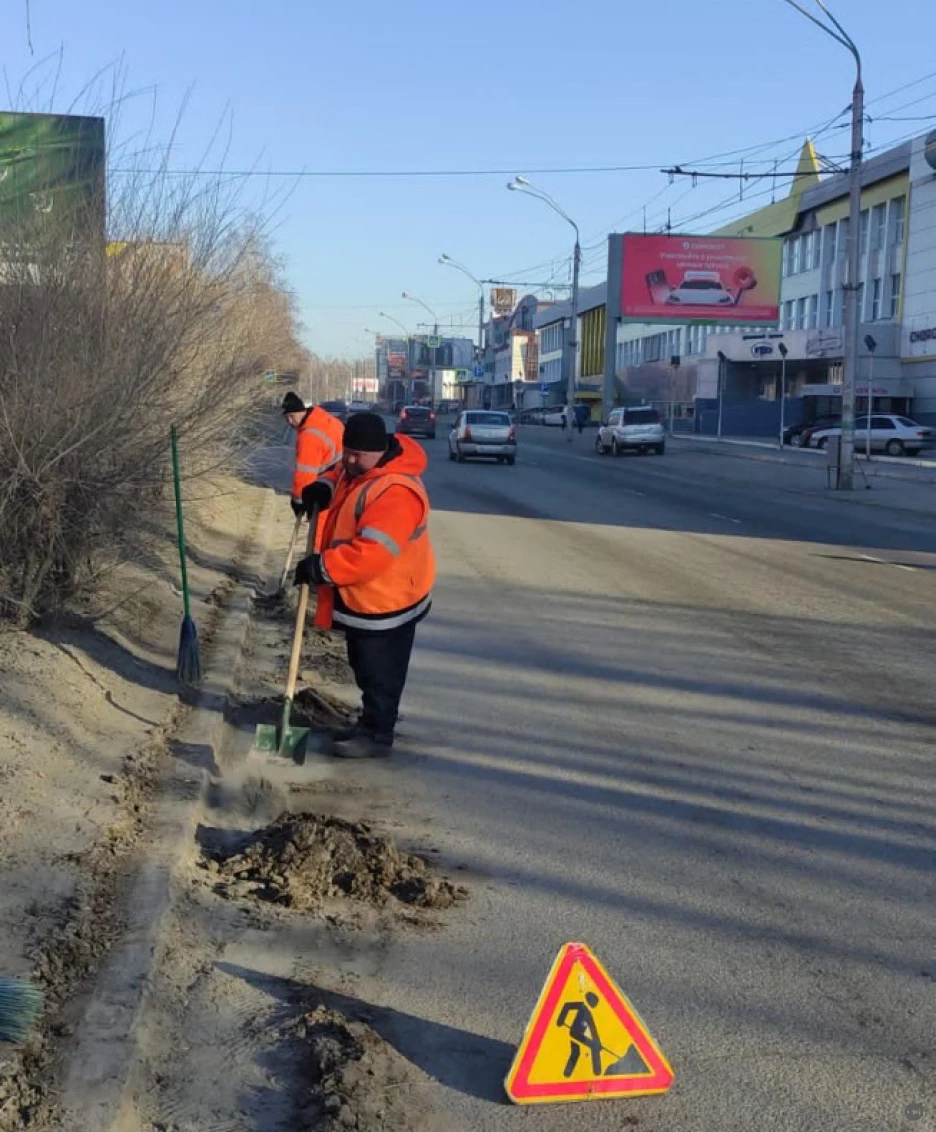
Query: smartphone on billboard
{"x": 658, "y": 287}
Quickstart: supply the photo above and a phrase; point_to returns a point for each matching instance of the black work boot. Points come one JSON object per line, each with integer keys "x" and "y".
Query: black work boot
{"x": 352, "y": 731}
{"x": 363, "y": 746}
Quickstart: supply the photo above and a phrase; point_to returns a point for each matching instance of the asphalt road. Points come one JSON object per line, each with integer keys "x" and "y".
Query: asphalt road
{"x": 669, "y": 709}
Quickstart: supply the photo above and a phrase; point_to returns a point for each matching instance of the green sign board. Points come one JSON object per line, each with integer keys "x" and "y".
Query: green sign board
{"x": 52, "y": 171}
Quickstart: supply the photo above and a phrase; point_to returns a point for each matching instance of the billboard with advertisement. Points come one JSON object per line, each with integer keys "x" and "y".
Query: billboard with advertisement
{"x": 52, "y": 169}
{"x": 503, "y": 300}
{"x": 712, "y": 279}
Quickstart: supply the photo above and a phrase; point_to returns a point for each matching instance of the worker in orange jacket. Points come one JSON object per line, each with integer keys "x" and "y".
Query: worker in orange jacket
{"x": 318, "y": 447}
{"x": 374, "y": 570}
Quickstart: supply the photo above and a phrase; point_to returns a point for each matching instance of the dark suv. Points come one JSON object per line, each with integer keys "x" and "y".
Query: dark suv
{"x": 337, "y": 409}
{"x": 417, "y": 420}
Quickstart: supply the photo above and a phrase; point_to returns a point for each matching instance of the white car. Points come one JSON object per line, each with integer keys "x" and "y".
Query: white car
{"x": 701, "y": 288}
{"x": 890, "y": 433}
{"x": 483, "y": 432}
{"x": 638, "y": 429}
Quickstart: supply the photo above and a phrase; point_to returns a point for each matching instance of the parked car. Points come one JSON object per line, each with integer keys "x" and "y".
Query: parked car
{"x": 797, "y": 436}
{"x": 638, "y": 429}
{"x": 554, "y": 417}
{"x": 337, "y": 409}
{"x": 478, "y": 432}
{"x": 892, "y": 434}
{"x": 417, "y": 420}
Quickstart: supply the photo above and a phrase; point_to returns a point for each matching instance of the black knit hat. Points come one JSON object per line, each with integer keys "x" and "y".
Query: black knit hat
{"x": 365, "y": 432}
{"x": 292, "y": 403}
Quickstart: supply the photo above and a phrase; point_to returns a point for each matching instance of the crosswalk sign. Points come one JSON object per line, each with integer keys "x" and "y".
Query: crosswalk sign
{"x": 584, "y": 1040}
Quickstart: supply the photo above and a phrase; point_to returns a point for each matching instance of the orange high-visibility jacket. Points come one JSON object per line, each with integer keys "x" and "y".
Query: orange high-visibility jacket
{"x": 375, "y": 544}
{"x": 318, "y": 449}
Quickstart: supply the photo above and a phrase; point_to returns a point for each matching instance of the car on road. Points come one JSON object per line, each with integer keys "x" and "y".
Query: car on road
{"x": 417, "y": 420}
{"x": 481, "y": 432}
{"x": 337, "y": 409}
{"x": 636, "y": 429}
{"x": 892, "y": 434}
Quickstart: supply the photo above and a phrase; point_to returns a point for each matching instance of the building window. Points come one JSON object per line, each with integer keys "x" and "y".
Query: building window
{"x": 813, "y": 312}
{"x": 788, "y": 315}
{"x": 828, "y": 312}
{"x": 828, "y": 244}
{"x": 875, "y": 312}
{"x": 878, "y": 226}
{"x": 800, "y": 314}
{"x": 788, "y": 249}
{"x": 894, "y": 294}
{"x": 863, "y": 233}
{"x": 815, "y": 241}
{"x": 898, "y": 210}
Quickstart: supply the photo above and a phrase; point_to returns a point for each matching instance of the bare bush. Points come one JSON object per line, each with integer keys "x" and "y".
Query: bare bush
{"x": 102, "y": 348}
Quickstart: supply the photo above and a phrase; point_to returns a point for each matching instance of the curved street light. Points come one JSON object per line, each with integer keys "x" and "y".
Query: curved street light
{"x": 522, "y": 185}
{"x": 447, "y": 261}
{"x": 433, "y": 365}
{"x": 852, "y": 314}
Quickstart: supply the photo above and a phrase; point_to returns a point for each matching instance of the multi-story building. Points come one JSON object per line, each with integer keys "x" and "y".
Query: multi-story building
{"x": 896, "y": 302}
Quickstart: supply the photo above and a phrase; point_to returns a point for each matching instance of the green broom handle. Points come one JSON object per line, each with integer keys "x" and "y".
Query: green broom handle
{"x": 176, "y": 479}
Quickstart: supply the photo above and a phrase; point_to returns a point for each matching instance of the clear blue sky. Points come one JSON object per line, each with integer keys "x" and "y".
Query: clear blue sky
{"x": 513, "y": 85}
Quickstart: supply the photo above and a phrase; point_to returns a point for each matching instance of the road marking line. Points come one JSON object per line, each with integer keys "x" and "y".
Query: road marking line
{"x": 884, "y": 562}
{"x": 727, "y": 518}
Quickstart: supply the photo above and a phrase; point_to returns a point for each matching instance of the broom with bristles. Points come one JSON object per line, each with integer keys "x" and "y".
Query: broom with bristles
{"x": 20, "y": 1005}
{"x": 188, "y": 662}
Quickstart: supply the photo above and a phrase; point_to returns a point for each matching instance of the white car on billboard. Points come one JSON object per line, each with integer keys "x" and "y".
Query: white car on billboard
{"x": 701, "y": 289}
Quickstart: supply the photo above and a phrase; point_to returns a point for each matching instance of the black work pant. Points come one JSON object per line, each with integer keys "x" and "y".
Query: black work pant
{"x": 380, "y": 661}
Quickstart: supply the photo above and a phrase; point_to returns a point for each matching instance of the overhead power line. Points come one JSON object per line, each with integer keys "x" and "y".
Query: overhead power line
{"x": 306, "y": 173}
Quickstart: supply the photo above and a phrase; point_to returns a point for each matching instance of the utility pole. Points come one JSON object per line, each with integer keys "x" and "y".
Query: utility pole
{"x": 845, "y": 480}
{"x": 783, "y": 356}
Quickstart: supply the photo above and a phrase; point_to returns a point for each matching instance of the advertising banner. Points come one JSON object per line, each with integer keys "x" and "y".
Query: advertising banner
{"x": 712, "y": 279}
{"x": 503, "y": 300}
{"x": 52, "y": 170}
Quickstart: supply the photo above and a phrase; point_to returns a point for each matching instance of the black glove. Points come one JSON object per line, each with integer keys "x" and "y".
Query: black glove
{"x": 318, "y": 494}
{"x": 297, "y": 508}
{"x": 309, "y": 572}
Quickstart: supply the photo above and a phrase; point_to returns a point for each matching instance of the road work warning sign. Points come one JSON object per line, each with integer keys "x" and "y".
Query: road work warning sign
{"x": 584, "y": 1040}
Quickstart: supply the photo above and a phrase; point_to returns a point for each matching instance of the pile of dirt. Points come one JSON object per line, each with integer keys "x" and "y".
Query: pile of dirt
{"x": 301, "y": 860}
{"x": 356, "y": 1080}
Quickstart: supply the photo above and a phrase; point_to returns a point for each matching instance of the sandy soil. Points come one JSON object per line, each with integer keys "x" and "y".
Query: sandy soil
{"x": 87, "y": 714}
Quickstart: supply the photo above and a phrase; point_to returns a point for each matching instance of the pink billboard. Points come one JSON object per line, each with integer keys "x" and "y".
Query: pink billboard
{"x": 722, "y": 279}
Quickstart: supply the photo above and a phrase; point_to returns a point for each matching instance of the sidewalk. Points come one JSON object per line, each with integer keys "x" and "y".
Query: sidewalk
{"x": 921, "y": 469}
{"x": 895, "y": 484}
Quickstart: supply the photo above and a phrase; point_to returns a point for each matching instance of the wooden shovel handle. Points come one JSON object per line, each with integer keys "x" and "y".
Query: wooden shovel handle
{"x": 301, "y": 612}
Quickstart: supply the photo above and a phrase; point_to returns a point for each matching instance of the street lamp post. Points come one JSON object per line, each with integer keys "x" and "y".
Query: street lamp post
{"x": 722, "y": 364}
{"x": 871, "y": 343}
{"x": 406, "y": 342}
{"x": 852, "y": 314}
{"x": 522, "y": 185}
{"x": 449, "y": 262}
{"x": 435, "y": 339}
{"x": 783, "y": 355}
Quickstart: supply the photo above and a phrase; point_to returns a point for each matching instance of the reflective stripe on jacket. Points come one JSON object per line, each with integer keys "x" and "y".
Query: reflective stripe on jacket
{"x": 318, "y": 448}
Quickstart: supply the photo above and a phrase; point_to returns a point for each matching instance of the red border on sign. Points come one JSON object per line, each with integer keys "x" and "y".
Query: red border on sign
{"x": 656, "y": 1082}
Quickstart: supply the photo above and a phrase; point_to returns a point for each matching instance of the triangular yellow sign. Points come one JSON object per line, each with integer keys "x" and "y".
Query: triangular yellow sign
{"x": 584, "y": 1040}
